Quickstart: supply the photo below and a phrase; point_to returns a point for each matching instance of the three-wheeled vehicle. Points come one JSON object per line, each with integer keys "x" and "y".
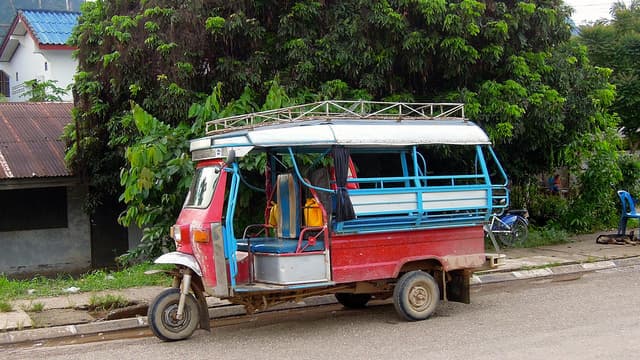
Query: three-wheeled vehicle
{"x": 361, "y": 200}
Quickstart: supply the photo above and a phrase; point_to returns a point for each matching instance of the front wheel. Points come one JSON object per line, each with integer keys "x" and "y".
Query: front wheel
{"x": 416, "y": 295}
{"x": 163, "y": 320}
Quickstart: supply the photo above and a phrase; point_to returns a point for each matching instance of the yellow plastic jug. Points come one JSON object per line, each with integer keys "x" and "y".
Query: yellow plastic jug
{"x": 312, "y": 213}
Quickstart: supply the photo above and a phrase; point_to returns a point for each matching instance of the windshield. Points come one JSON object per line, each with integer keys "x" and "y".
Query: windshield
{"x": 202, "y": 187}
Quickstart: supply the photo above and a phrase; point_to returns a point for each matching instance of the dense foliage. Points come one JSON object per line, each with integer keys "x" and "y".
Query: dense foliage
{"x": 510, "y": 61}
{"x": 615, "y": 44}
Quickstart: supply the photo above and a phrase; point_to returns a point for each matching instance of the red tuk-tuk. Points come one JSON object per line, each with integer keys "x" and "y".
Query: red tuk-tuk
{"x": 360, "y": 201}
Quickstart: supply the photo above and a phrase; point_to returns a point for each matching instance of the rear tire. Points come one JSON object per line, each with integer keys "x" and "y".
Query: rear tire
{"x": 353, "y": 301}
{"x": 505, "y": 239}
{"x": 416, "y": 295}
{"x": 162, "y": 316}
{"x": 519, "y": 231}
{"x": 517, "y": 234}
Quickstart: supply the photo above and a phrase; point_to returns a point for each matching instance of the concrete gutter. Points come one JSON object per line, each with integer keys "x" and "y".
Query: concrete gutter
{"x": 550, "y": 271}
{"x": 220, "y": 309}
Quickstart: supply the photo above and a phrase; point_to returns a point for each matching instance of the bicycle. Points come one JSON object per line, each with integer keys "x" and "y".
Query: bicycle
{"x": 511, "y": 227}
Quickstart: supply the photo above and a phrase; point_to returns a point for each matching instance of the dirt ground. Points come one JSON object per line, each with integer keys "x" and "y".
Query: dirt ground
{"x": 60, "y": 317}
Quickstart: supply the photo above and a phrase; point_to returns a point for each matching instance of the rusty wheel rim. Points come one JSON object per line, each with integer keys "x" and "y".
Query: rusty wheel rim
{"x": 169, "y": 318}
{"x": 419, "y": 297}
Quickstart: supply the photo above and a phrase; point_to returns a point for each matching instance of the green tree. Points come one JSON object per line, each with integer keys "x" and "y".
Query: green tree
{"x": 616, "y": 44}
{"x": 43, "y": 91}
{"x": 509, "y": 61}
{"x": 156, "y": 178}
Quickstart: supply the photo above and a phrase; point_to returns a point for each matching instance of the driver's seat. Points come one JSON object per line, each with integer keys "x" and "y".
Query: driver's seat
{"x": 288, "y": 209}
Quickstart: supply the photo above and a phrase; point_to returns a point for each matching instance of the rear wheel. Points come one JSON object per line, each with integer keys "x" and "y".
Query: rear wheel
{"x": 505, "y": 238}
{"x": 162, "y": 316}
{"x": 353, "y": 301}
{"x": 416, "y": 295}
{"x": 519, "y": 232}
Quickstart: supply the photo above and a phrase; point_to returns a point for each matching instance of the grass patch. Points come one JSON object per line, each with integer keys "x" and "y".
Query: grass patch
{"x": 34, "y": 307}
{"x": 107, "y": 302}
{"x": 545, "y": 236}
{"x": 538, "y": 236}
{"x": 5, "y": 306}
{"x": 96, "y": 280}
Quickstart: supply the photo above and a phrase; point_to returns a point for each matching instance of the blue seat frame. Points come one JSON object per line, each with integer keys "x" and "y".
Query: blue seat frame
{"x": 628, "y": 211}
{"x": 278, "y": 246}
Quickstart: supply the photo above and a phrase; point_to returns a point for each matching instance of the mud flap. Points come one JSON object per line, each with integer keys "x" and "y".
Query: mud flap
{"x": 198, "y": 291}
{"x": 458, "y": 288}
{"x": 204, "y": 312}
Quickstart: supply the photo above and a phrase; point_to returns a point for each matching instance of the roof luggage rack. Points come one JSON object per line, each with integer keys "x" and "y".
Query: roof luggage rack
{"x": 339, "y": 109}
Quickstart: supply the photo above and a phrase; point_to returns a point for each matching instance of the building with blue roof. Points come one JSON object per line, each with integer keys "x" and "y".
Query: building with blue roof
{"x": 59, "y": 236}
{"x": 9, "y": 9}
{"x": 51, "y": 27}
{"x": 35, "y": 47}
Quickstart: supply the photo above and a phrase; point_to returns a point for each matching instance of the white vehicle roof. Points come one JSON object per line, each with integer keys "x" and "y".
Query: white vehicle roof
{"x": 317, "y": 129}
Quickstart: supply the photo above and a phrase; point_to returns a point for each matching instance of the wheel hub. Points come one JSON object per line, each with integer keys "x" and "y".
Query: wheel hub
{"x": 170, "y": 317}
{"x": 419, "y": 297}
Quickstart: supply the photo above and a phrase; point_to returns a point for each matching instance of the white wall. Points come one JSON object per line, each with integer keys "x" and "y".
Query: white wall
{"x": 62, "y": 67}
{"x": 29, "y": 62}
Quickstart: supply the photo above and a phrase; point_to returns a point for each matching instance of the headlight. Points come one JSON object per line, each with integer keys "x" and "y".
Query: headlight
{"x": 175, "y": 233}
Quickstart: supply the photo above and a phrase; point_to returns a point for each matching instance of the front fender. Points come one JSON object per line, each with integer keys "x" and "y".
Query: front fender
{"x": 179, "y": 258}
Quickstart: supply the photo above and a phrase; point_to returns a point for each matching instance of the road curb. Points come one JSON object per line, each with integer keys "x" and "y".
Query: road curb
{"x": 42, "y": 334}
{"x": 220, "y": 310}
{"x": 524, "y": 274}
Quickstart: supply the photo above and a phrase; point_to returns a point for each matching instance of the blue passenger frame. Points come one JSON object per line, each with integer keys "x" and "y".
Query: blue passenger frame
{"x": 475, "y": 190}
{"x": 496, "y": 197}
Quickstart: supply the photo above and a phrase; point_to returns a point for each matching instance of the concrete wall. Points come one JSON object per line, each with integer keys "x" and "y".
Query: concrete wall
{"x": 48, "y": 251}
{"x": 134, "y": 236}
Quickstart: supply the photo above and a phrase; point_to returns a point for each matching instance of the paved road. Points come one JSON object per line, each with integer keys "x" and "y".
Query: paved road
{"x": 594, "y": 317}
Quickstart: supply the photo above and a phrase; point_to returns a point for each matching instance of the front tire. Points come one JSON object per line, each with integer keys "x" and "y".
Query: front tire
{"x": 353, "y": 301}
{"x": 416, "y": 295}
{"x": 162, "y": 316}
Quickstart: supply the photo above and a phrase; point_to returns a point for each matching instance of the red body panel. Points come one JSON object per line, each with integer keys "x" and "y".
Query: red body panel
{"x": 243, "y": 269}
{"x": 196, "y": 218}
{"x": 362, "y": 257}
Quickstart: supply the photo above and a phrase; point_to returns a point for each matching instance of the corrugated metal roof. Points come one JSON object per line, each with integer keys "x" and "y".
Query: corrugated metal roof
{"x": 50, "y": 27}
{"x": 30, "y": 144}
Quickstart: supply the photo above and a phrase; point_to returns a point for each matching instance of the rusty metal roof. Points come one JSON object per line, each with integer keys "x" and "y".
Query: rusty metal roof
{"x": 30, "y": 144}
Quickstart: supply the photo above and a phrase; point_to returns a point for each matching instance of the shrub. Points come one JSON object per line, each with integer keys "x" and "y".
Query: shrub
{"x": 630, "y": 167}
{"x": 544, "y": 208}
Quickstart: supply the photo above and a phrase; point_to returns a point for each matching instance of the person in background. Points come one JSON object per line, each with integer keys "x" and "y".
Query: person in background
{"x": 554, "y": 184}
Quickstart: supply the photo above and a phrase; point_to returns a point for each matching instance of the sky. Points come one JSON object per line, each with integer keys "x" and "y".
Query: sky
{"x": 590, "y": 10}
